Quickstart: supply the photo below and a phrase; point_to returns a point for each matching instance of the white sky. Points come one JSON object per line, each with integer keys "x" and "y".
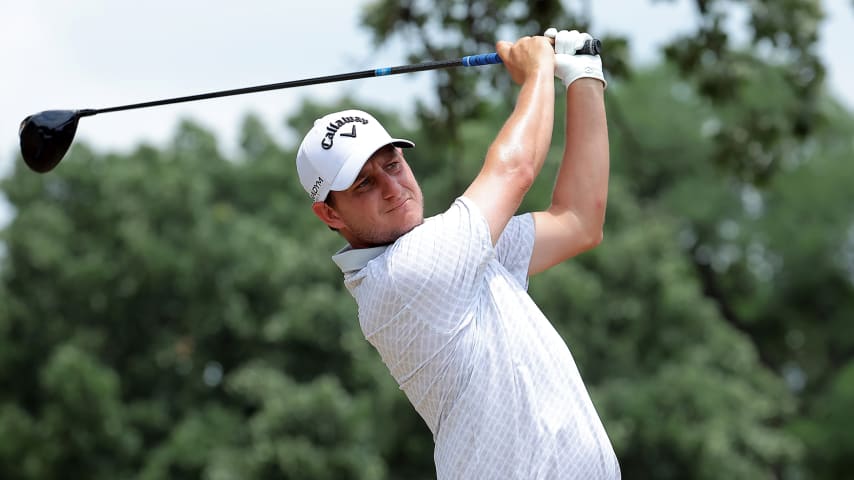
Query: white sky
{"x": 100, "y": 53}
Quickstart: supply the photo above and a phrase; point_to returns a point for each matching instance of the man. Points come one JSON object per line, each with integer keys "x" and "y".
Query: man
{"x": 444, "y": 300}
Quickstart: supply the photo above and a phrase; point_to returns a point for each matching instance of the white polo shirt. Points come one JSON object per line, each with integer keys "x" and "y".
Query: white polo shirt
{"x": 450, "y": 316}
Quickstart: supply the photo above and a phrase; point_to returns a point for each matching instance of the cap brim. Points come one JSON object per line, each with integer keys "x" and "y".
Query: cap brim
{"x": 348, "y": 173}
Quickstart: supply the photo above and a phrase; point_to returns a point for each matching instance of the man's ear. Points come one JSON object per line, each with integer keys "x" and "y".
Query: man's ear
{"x": 325, "y": 212}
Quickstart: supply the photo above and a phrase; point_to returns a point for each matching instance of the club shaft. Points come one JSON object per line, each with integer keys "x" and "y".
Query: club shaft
{"x": 379, "y": 72}
{"x": 591, "y": 47}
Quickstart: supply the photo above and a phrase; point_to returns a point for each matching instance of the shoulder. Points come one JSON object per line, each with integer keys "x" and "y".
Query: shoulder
{"x": 446, "y": 253}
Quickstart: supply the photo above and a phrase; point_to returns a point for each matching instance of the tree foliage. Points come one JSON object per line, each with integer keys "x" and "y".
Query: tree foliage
{"x": 173, "y": 313}
{"x": 164, "y": 317}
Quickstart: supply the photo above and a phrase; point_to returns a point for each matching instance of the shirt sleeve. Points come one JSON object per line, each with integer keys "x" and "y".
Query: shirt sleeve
{"x": 515, "y": 247}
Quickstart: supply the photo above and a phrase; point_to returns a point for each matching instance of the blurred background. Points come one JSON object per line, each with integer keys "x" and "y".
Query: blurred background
{"x": 168, "y": 308}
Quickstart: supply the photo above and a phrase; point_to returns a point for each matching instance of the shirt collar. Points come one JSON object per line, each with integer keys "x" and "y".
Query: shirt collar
{"x": 351, "y": 260}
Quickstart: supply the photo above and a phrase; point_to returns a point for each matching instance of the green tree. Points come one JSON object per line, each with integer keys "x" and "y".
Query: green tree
{"x": 162, "y": 318}
{"x": 172, "y": 313}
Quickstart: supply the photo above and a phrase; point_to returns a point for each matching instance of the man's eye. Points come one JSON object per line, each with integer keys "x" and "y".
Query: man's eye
{"x": 393, "y": 166}
{"x": 363, "y": 184}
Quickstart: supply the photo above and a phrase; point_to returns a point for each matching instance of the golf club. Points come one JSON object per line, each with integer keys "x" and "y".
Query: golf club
{"x": 46, "y": 136}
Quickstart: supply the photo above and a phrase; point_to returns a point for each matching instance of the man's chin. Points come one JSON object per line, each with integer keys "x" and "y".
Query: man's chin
{"x": 412, "y": 226}
{"x": 377, "y": 238}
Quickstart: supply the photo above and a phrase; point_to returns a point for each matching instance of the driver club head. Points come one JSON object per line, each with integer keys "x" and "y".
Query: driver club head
{"x": 46, "y": 136}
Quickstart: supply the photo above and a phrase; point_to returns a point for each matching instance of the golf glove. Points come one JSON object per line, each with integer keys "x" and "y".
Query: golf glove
{"x": 569, "y": 67}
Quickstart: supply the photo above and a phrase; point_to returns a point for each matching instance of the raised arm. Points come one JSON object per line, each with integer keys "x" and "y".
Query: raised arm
{"x": 516, "y": 155}
{"x": 573, "y": 222}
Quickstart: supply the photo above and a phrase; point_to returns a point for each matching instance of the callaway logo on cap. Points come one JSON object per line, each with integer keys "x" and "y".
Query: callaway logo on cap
{"x": 335, "y": 149}
{"x": 329, "y": 138}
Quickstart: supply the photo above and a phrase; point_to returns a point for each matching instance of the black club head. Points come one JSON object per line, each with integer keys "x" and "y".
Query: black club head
{"x": 46, "y": 136}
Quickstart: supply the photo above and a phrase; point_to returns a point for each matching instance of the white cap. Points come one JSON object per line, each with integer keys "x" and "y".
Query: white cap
{"x": 336, "y": 148}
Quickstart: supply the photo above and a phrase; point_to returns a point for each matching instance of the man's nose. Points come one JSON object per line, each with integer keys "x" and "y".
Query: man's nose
{"x": 390, "y": 186}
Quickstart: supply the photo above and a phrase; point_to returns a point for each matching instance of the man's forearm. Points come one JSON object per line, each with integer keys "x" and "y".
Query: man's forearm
{"x": 523, "y": 141}
{"x": 581, "y": 187}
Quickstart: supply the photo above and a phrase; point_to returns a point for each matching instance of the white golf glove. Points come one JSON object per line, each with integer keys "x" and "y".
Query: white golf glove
{"x": 569, "y": 67}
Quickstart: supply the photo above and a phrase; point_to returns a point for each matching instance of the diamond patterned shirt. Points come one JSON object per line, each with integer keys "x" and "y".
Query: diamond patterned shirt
{"x": 496, "y": 384}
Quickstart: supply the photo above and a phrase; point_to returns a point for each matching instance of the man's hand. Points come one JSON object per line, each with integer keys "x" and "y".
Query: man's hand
{"x": 569, "y": 67}
{"x": 527, "y": 56}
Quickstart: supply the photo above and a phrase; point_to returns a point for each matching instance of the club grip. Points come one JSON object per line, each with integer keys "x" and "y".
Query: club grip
{"x": 482, "y": 59}
{"x": 590, "y": 47}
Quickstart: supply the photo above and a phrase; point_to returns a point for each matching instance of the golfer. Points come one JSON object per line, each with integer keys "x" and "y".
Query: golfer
{"x": 444, "y": 300}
